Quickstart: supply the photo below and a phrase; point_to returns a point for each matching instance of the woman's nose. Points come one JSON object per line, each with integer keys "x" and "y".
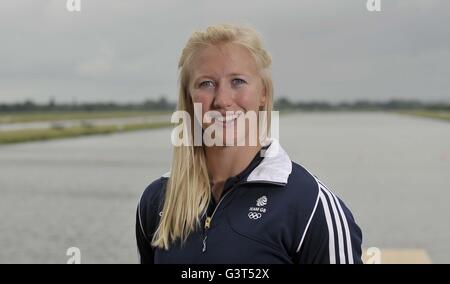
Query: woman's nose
{"x": 223, "y": 98}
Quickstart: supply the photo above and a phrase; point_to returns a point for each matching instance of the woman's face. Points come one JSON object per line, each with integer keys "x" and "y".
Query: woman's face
{"x": 226, "y": 78}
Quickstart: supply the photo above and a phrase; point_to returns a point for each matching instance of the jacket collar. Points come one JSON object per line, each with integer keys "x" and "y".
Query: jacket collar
{"x": 274, "y": 168}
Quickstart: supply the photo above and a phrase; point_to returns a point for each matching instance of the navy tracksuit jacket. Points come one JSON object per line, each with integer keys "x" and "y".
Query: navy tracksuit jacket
{"x": 275, "y": 211}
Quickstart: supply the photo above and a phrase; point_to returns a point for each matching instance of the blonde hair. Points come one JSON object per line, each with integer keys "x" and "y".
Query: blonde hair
{"x": 188, "y": 191}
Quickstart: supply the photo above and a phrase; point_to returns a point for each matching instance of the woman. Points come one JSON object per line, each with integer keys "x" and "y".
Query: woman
{"x": 231, "y": 204}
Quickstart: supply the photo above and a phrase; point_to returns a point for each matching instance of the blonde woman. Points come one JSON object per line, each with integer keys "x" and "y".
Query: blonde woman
{"x": 241, "y": 203}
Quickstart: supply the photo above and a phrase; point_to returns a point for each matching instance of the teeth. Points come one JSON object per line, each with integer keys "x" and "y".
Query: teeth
{"x": 226, "y": 118}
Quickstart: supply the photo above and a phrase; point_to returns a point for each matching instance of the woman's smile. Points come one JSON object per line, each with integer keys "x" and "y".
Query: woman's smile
{"x": 226, "y": 121}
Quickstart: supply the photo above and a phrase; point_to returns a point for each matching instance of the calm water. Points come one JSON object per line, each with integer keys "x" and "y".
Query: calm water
{"x": 391, "y": 170}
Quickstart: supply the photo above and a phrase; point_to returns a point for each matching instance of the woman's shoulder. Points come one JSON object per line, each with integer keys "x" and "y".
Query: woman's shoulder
{"x": 304, "y": 186}
{"x": 308, "y": 191}
{"x": 149, "y": 207}
{"x": 303, "y": 179}
{"x": 330, "y": 233}
{"x": 154, "y": 192}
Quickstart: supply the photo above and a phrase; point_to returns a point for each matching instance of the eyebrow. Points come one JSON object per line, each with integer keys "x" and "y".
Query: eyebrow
{"x": 229, "y": 75}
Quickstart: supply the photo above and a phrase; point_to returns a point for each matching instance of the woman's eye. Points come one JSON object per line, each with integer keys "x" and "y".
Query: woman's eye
{"x": 237, "y": 82}
{"x": 206, "y": 84}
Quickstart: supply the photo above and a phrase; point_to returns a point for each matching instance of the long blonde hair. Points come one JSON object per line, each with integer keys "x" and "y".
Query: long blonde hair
{"x": 188, "y": 191}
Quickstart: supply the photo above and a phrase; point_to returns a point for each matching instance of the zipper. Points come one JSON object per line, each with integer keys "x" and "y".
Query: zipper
{"x": 208, "y": 219}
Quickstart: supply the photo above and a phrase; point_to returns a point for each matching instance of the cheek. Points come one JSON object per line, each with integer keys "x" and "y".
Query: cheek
{"x": 248, "y": 99}
{"x": 203, "y": 98}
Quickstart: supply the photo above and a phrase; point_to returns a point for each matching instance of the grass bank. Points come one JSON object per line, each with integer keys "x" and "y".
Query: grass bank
{"x": 57, "y": 116}
{"x": 442, "y": 115}
{"x": 17, "y": 136}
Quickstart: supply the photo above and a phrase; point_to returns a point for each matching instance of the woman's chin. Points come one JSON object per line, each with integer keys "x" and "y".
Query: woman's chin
{"x": 226, "y": 135}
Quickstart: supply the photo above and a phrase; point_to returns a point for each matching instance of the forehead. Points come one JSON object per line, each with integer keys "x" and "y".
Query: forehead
{"x": 223, "y": 59}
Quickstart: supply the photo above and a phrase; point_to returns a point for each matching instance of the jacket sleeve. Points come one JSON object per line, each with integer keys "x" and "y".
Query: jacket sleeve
{"x": 145, "y": 250}
{"x": 147, "y": 219}
{"x": 332, "y": 236}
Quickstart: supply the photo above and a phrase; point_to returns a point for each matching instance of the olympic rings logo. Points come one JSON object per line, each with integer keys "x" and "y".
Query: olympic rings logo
{"x": 254, "y": 215}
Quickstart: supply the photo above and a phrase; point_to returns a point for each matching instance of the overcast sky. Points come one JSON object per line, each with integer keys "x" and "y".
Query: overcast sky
{"x": 127, "y": 51}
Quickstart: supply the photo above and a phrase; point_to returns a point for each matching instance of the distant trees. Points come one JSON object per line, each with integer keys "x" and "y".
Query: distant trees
{"x": 163, "y": 104}
{"x": 285, "y": 104}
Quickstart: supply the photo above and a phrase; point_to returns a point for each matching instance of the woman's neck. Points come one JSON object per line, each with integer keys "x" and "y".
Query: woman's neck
{"x": 225, "y": 162}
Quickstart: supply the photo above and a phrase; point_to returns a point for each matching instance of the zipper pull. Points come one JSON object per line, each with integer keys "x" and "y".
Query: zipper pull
{"x": 207, "y": 223}
{"x": 204, "y": 243}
